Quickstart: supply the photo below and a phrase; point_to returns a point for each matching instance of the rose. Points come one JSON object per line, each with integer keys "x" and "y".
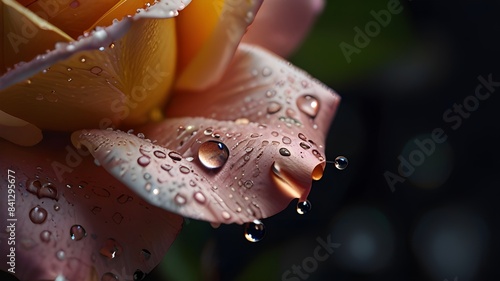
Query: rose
{"x": 243, "y": 136}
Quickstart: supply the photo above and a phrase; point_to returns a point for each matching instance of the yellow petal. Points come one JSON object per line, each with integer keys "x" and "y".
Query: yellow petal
{"x": 18, "y": 131}
{"x": 84, "y": 87}
{"x": 209, "y": 33}
{"x": 24, "y": 35}
{"x": 72, "y": 16}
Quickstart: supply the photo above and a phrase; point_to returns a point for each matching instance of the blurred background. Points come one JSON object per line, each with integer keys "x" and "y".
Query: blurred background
{"x": 411, "y": 205}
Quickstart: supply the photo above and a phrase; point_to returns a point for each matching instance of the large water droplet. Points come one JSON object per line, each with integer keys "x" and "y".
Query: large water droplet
{"x": 341, "y": 162}
{"x": 308, "y": 105}
{"x": 38, "y": 215}
{"x": 304, "y": 207}
{"x": 255, "y": 231}
{"x": 285, "y": 152}
{"x": 111, "y": 249}
{"x": 77, "y": 232}
{"x": 213, "y": 154}
{"x": 32, "y": 186}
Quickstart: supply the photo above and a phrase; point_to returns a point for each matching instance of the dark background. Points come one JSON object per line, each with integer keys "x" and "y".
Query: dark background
{"x": 441, "y": 223}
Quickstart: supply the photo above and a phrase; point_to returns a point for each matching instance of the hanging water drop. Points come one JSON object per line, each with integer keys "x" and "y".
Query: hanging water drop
{"x": 303, "y": 207}
{"x": 341, "y": 162}
{"x": 308, "y": 105}
{"x": 213, "y": 154}
{"x": 77, "y": 232}
{"x": 255, "y": 231}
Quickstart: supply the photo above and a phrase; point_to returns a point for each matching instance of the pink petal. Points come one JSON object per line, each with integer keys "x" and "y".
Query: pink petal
{"x": 281, "y": 25}
{"x": 277, "y": 118}
{"x": 60, "y": 192}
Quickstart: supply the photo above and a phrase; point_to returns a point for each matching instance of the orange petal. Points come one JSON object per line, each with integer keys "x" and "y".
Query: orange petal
{"x": 101, "y": 80}
{"x": 73, "y": 220}
{"x": 209, "y": 33}
{"x": 24, "y": 35}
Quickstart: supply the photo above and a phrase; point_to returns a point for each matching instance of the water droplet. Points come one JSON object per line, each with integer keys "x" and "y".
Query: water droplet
{"x": 60, "y": 255}
{"x": 145, "y": 254}
{"x": 304, "y": 145}
{"x": 32, "y": 186}
{"x": 213, "y": 154}
{"x": 273, "y": 107}
{"x": 184, "y": 169}
{"x": 208, "y": 132}
{"x": 303, "y": 207}
{"x": 286, "y": 140}
{"x": 255, "y": 231}
{"x": 38, "y": 215}
{"x": 254, "y": 135}
{"x": 57, "y": 207}
{"x": 111, "y": 249}
{"x": 143, "y": 161}
{"x": 48, "y": 191}
{"x": 112, "y": 45}
{"x": 199, "y": 197}
{"x": 45, "y": 236}
{"x": 175, "y": 156}
{"x": 159, "y": 154}
{"x": 179, "y": 199}
{"x": 308, "y": 105}
{"x": 270, "y": 93}
{"x": 83, "y": 59}
{"x": 285, "y": 152}
{"x": 108, "y": 276}
{"x": 302, "y": 137}
{"x": 77, "y": 232}
{"x": 275, "y": 134}
{"x": 266, "y": 71}
{"x": 341, "y": 162}
{"x": 39, "y": 96}
{"x": 139, "y": 275}
{"x": 226, "y": 215}
{"x": 248, "y": 184}
{"x": 96, "y": 70}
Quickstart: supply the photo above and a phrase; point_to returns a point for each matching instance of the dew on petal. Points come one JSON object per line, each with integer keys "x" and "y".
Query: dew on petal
{"x": 48, "y": 191}
{"x": 96, "y": 70}
{"x": 38, "y": 215}
{"x": 111, "y": 249}
{"x": 145, "y": 255}
{"x": 213, "y": 154}
{"x": 175, "y": 156}
{"x": 179, "y": 199}
{"x": 285, "y": 152}
{"x": 226, "y": 215}
{"x": 60, "y": 255}
{"x": 199, "y": 197}
{"x": 32, "y": 186}
{"x": 308, "y": 105}
{"x": 45, "y": 236}
{"x": 159, "y": 154}
{"x": 255, "y": 231}
{"x": 143, "y": 161}
{"x": 184, "y": 170}
{"x": 286, "y": 140}
{"x": 77, "y": 232}
{"x": 139, "y": 275}
{"x": 273, "y": 107}
{"x": 304, "y": 145}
